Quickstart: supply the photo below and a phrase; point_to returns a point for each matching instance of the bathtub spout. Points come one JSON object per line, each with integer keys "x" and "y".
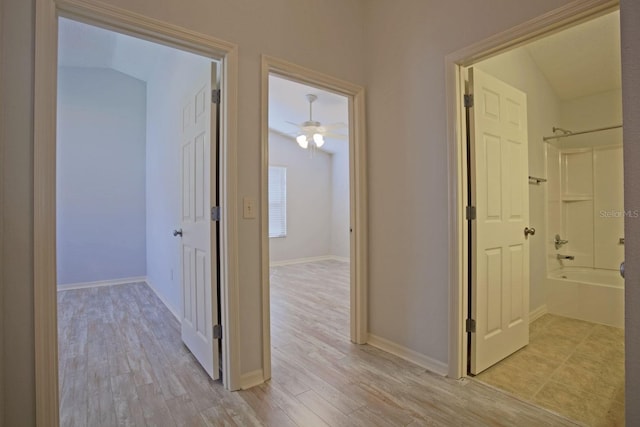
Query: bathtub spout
{"x": 569, "y": 257}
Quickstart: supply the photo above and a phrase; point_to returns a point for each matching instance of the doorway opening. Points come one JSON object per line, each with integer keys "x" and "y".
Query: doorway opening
{"x": 544, "y": 303}
{"x": 309, "y": 218}
{"x": 313, "y": 139}
{"x": 137, "y": 245}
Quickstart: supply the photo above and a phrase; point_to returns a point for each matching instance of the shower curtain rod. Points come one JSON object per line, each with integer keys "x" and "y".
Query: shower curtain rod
{"x": 547, "y": 138}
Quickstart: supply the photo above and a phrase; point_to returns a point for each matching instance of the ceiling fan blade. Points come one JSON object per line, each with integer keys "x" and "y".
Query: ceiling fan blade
{"x": 294, "y": 124}
{"x": 335, "y": 135}
{"x": 335, "y": 126}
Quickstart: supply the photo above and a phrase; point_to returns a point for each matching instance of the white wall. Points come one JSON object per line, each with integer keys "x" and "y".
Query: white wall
{"x": 100, "y": 176}
{"x": 518, "y": 69}
{"x": 340, "y": 202}
{"x": 167, "y": 89}
{"x": 590, "y": 112}
{"x": 308, "y": 201}
{"x": 590, "y": 165}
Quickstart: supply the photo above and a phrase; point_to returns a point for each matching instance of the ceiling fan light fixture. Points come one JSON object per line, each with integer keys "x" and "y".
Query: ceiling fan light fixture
{"x": 302, "y": 141}
{"x": 318, "y": 139}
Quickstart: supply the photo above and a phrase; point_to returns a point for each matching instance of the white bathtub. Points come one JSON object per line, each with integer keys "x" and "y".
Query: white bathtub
{"x": 588, "y": 294}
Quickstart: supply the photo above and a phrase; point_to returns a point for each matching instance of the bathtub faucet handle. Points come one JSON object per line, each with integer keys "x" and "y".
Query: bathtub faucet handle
{"x": 568, "y": 257}
{"x": 559, "y": 242}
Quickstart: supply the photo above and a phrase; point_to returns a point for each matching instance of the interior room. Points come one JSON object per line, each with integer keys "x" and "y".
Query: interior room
{"x": 309, "y": 210}
{"x": 120, "y": 196}
{"x": 402, "y": 63}
{"x": 574, "y": 361}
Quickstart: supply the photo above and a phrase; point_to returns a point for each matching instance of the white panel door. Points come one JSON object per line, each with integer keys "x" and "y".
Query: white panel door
{"x": 500, "y": 261}
{"x": 198, "y": 242}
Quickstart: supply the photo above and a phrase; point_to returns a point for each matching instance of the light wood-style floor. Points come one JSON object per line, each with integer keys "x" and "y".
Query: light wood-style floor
{"x": 122, "y": 363}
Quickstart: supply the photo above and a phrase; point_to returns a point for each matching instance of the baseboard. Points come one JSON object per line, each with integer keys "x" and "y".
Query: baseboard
{"x": 251, "y": 379}
{"x": 538, "y": 313}
{"x": 163, "y": 299}
{"x": 300, "y": 261}
{"x": 306, "y": 260}
{"x": 99, "y": 283}
{"x": 419, "y": 359}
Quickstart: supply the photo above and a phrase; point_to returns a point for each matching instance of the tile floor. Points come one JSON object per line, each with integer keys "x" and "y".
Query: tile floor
{"x": 570, "y": 366}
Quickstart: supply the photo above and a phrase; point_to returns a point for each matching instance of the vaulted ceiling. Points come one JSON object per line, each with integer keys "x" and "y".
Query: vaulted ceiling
{"x": 581, "y": 60}
{"x": 82, "y": 45}
{"x": 578, "y": 61}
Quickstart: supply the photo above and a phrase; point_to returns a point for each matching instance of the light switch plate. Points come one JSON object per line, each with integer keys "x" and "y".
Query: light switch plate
{"x": 248, "y": 208}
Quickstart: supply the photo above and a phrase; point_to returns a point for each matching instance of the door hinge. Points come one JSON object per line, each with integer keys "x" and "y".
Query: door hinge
{"x": 215, "y": 96}
{"x": 468, "y": 101}
{"x": 215, "y": 213}
{"x": 470, "y": 325}
{"x": 470, "y": 213}
{"x": 217, "y": 332}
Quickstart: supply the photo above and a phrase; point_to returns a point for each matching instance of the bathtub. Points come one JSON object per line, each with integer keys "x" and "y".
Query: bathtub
{"x": 589, "y": 294}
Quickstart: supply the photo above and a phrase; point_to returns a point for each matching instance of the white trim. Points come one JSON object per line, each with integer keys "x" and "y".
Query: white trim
{"x": 251, "y": 379}
{"x": 301, "y": 260}
{"x": 99, "y": 283}
{"x": 358, "y": 195}
{"x": 230, "y": 288}
{"x": 45, "y": 82}
{"x": 44, "y": 223}
{"x": 412, "y": 356}
{"x": 553, "y": 21}
{"x": 161, "y": 297}
{"x": 310, "y": 259}
{"x": 538, "y": 313}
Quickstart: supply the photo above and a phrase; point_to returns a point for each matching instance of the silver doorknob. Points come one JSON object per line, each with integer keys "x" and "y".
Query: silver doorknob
{"x": 177, "y": 232}
{"x": 622, "y": 269}
{"x": 529, "y": 231}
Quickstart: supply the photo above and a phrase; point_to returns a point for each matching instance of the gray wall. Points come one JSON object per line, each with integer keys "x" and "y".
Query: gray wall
{"x": 308, "y": 201}
{"x": 630, "y": 33}
{"x": 100, "y": 176}
{"x": 407, "y": 157}
{"x": 340, "y": 236}
{"x": 16, "y": 106}
{"x": 1, "y": 225}
{"x": 167, "y": 89}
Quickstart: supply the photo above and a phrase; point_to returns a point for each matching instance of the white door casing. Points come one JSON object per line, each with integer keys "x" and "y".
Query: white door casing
{"x": 198, "y": 247}
{"x": 499, "y": 188}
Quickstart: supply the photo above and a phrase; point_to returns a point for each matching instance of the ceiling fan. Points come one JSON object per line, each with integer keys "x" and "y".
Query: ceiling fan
{"x": 311, "y": 133}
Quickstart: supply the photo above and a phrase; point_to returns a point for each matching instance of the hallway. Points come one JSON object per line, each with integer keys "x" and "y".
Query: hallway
{"x": 122, "y": 363}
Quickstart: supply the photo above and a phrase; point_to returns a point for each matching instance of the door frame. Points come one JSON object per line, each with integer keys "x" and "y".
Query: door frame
{"x": 44, "y": 157}
{"x": 357, "y": 195}
{"x": 556, "y": 20}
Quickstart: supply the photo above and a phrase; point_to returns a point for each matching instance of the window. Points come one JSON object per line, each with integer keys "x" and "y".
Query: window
{"x": 277, "y": 201}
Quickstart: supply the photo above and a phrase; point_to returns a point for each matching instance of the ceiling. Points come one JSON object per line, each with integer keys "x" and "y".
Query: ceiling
{"x": 82, "y": 45}
{"x": 578, "y": 61}
{"x": 582, "y": 60}
{"x": 288, "y": 103}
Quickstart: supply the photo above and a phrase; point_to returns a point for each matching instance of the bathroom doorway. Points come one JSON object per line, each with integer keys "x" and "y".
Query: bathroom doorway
{"x": 558, "y": 281}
